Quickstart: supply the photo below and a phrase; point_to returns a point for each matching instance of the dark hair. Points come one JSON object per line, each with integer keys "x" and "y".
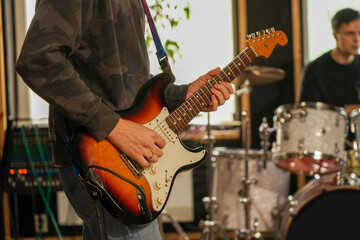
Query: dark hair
{"x": 345, "y": 15}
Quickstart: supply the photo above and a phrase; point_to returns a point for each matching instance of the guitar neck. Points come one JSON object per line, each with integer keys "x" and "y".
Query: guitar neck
{"x": 181, "y": 117}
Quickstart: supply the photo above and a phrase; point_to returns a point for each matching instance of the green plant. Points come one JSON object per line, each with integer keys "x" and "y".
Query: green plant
{"x": 167, "y": 15}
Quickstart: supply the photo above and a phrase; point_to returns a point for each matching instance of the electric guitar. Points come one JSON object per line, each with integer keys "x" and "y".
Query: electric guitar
{"x": 130, "y": 192}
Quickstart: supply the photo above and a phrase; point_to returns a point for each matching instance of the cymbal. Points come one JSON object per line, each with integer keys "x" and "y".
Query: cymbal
{"x": 260, "y": 75}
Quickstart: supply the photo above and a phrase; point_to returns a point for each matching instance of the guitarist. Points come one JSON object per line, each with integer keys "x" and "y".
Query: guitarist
{"x": 88, "y": 59}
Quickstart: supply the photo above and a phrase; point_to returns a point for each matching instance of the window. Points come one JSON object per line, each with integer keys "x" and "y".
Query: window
{"x": 205, "y": 40}
{"x": 318, "y": 23}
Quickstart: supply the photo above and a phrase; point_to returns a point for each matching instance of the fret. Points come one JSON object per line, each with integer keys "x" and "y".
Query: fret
{"x": 196, "y": 95}
{"x": 233, "y": 75}
{"x": 227, "y": 76}
{"x": 191, "y": 99}
{"x": 247, "y": 56}
{"x": 172, "y": 123}
{"x": 206, "y": 86}
{"x": 179, "y": 119}
{"x": 191, "y": 110}
{"x": 235, "y": 64}
{"x": 205, "y": 98}
{"x": 254, "y": 52}
{"x": 242, "y": 63}
{"x": 221, "y": 78}
{"x": 229, "y": 79}
{"x": 185, "y": 113}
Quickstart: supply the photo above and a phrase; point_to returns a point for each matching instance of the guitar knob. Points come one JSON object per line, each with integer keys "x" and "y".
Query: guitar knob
{"x": 157, "y": 185}
{"x": 153, "y": 169}
{"x": 159, "y": 200}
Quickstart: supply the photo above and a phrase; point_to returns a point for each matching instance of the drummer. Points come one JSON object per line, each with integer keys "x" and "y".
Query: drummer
{"x": 334, "y": 77}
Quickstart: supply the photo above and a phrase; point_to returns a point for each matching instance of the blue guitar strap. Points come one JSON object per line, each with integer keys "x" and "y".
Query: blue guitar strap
{"x": 160, "y": 52}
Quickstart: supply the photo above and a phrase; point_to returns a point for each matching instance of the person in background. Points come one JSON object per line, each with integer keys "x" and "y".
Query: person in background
{"x": 334, "y": 77}
{"x": 88, "y": 59}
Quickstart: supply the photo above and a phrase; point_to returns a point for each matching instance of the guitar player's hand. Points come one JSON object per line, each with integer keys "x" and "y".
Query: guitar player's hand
{"x": 221, "y": 92}
{"x": 138, "y": 142}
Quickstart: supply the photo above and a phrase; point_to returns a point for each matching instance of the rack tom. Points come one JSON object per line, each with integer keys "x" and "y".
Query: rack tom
{"x": 310, "y": 138}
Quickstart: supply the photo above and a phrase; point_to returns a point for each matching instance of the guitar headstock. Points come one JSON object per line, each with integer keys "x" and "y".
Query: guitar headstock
{"x": 263, "y": 42}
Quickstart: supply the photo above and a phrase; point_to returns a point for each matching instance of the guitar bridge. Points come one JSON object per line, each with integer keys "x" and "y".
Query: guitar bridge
{"x": 134, "y": 166}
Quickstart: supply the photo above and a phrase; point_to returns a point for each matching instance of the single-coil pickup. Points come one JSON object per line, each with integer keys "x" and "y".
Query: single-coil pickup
{"x": 171, "y": 136}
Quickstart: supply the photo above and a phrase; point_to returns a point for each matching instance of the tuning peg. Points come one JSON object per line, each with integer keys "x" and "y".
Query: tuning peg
{"x": 272, "y": 29}
{"x": 252, "y": 35}
{"x": 248, "y": 36}
{"x": 262, "y": 32}
{"x": 258, "y": 33}
{"x": 268, "y": 30}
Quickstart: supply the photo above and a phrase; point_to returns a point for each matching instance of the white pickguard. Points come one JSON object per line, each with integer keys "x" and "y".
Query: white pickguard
{"x": 160, "y": 175}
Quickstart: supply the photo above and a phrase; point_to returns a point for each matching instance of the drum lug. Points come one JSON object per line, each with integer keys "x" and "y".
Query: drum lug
{"x": 293, "y": 204}
{"x": 301, "y": 146}
{"x": 303, "y": 115}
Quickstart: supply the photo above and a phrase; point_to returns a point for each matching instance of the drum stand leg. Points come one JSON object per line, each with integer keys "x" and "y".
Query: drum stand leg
{"x": 244, "y": 196}
{"x": 174, "y": 223}
{"x": 210, "y": 226}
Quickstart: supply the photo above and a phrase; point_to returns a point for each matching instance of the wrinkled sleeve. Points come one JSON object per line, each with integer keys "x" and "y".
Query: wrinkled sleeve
{"x": 175, "y": 95}
{"x": 45, "y": 66}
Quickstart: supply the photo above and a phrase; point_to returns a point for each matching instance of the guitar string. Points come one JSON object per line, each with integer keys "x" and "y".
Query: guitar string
{"x": 242, "y": 57}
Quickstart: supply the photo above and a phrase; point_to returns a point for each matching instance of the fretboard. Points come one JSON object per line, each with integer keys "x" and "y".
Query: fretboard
{"x": 181, "y": 116}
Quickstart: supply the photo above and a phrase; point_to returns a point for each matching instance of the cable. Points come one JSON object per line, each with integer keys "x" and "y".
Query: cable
{"x": 42, "y": 157}
{"x": 38, "y": 183}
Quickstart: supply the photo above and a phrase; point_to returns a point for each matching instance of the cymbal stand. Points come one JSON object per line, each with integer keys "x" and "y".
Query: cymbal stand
{"x": 174, "y": 223}
{"x": 210, "y": 226}
{"x": 244, "y": 195}
{"x": 265, "y": 131}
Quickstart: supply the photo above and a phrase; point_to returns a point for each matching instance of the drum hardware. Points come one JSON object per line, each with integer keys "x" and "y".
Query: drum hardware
{"x": 260, "y": 75}
{"x": 244, "y": 195}
{"x": 174, "y": 223}
{"x": 210, "y": 226}
{"x": 245, "y": 89}
{"x": 265, "y": 132}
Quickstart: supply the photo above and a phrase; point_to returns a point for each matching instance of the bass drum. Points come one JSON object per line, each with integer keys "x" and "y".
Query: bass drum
{"x": 322, "y": 209}
{"x": 268, "y": 193}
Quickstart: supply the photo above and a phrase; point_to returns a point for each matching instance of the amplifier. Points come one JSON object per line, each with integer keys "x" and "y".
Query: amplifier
{"x": 29, "y": 160}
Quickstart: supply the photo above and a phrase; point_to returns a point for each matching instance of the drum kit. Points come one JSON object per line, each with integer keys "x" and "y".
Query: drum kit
{"x": 250, "y": 188}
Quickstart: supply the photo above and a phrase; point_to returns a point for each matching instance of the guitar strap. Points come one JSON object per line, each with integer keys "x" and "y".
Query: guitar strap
{"x": 160, "y": 52}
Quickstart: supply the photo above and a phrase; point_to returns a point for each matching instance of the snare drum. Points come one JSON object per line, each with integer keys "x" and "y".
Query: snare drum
{"x": 310, "y": 138}
{"x": 322, "y": 209}
{"x": 268, "y": 192}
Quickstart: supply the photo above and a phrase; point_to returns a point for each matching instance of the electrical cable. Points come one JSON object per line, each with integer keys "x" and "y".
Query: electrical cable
{"x": 38, "y": 183}
{"x": 47, "y": 171}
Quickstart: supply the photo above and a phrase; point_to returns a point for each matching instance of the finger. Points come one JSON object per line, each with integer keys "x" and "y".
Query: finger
{"x": 219, "y": 96}
{"x": 224, "y": 91}
{"x": 152, "y": 158}
{"x": 228, "y": 86}
{"x": 210, "y": 74}
{"x": 143, "y": 162}
{"x": 214, "y": 104}
{"x": 159, "y": 141}
{"x": 157, "y": 151}
{"x": 214, "y": 71}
